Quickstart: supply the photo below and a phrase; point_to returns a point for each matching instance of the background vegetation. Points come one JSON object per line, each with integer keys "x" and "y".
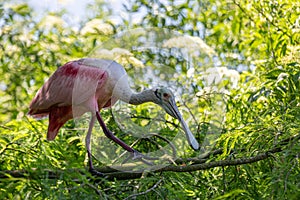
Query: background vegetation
{"x": 259, "y": 39}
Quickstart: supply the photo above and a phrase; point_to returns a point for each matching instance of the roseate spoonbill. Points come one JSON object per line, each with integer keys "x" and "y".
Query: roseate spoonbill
{"x": 88, "y": 85}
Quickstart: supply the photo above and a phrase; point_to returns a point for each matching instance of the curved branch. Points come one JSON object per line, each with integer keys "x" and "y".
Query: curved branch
{"x": 121, "y": 175}
{"x": 145, "y": 192}
{"x": 124, "y": 172}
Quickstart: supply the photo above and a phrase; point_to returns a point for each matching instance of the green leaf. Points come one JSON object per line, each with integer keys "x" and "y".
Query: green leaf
{"x": 21, "y": 9}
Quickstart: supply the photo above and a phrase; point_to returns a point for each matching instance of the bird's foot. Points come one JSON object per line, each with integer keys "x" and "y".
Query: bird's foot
{"x": 135, "y": 155}
{"x": 96, "y": 173}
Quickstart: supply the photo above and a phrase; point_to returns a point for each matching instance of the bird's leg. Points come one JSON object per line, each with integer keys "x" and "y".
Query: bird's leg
{"x": 111, "y": 136}
{"x": 135, "y": 155}
{"x": 88, "y": 147}
{"x": 88, "y": 141}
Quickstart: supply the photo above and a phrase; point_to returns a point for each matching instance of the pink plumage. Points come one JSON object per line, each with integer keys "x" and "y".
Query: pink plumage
{"x": 75, "y": 88}
{"x": 88, "y": 85}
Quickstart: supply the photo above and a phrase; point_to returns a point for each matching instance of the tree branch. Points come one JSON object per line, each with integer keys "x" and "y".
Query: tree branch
{"x": 124, "y": 172}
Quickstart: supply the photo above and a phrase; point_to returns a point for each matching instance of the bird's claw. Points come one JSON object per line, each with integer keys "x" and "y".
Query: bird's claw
{"x": 135, "y": 155}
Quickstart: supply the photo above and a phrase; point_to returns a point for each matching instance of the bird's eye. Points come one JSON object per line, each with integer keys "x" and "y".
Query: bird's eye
{"x": 166, "y": 95}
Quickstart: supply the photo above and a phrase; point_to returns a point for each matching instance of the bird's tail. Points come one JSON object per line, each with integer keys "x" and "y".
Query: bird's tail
{"x": 58, "y": 116}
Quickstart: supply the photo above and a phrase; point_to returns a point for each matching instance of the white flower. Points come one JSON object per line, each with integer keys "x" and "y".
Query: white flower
{"x": 96, "y": 26}
{"x": 105, "y": 54}
{"x": 215, "y": 75}
{"x": 135, "y": 62}
{"x": 190, "y": 72}
{"x": 233, "y": 55}
{"x": 120, "y": 55}
{"x": 281, "y": 77}
{"x": 234, "y": 77}
{"x": 52, "y": 21}
{"x": 192, "y": 43}
{"x": 121, "y": 52}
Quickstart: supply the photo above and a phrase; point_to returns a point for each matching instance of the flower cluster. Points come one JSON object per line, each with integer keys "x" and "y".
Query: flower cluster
{"x": 120, "y": 55}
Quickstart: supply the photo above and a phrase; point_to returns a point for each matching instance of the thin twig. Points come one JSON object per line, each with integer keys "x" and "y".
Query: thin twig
{"x": 145, "y": 192}
{"x": 96, "y": 190}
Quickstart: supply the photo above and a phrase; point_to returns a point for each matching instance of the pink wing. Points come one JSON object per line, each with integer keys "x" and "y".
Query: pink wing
{"x": 58, "y": 91}
{"x": 71, "y": 89}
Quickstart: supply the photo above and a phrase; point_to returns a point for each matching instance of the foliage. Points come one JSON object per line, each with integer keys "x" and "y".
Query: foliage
{"x": 259, "y": 39}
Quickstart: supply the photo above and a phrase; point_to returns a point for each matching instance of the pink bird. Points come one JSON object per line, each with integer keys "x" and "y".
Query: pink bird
{"x": 88, "y": 85}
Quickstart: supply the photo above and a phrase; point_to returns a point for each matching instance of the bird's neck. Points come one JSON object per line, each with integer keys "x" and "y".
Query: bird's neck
{"x": 142, "y": 97}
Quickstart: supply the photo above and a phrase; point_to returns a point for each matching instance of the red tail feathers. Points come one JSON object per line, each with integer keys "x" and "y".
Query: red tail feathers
{"x": 58, "y": 116}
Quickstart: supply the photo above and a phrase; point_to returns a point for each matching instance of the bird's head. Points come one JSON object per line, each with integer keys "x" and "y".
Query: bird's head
{"x": 165, "y": 98}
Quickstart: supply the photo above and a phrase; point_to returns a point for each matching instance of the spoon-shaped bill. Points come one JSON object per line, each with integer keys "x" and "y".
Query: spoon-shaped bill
{"x": 172, "y": 110}
{"x": 190, "y": 137}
